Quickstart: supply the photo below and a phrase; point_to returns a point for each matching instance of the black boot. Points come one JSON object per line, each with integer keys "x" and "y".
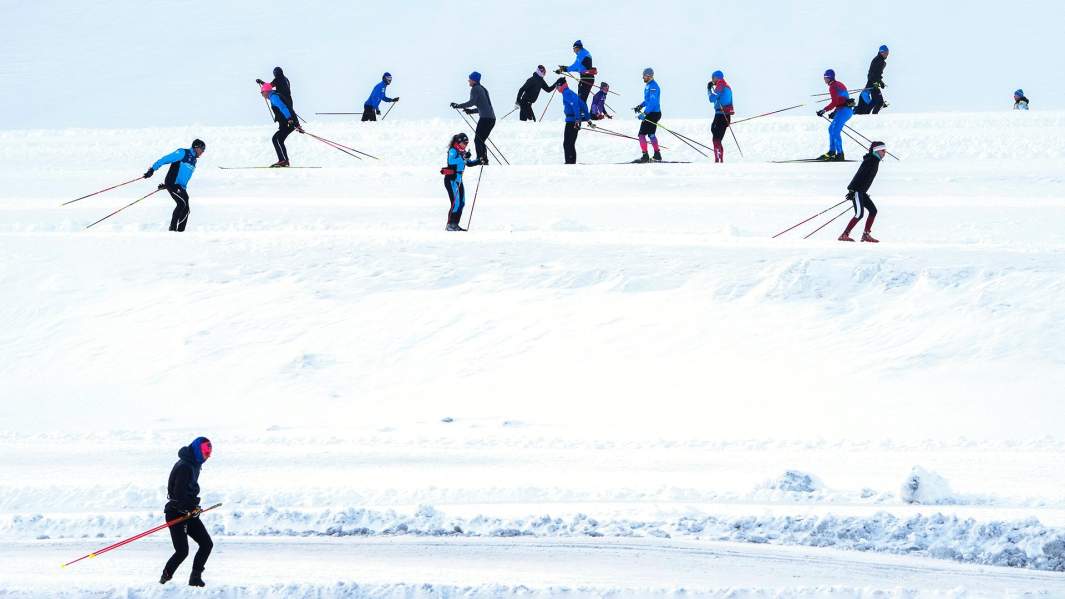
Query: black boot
{"x": 165, "y": 578}
{"x": 657, "y": 157}
{"x": 643, "y": 158}
{"x": 196, "y": 579}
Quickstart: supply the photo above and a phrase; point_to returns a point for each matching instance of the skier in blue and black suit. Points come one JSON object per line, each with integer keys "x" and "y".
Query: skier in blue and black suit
{"x": 286, "y": 124}
{"x": 182, "y": 163}
{"x": 372, "y": 107}
{"x": 652, "y": 104}
{"x": 582, "y": 65}
{"x": 576, "y": 113}
{"x": 458, "y": 158}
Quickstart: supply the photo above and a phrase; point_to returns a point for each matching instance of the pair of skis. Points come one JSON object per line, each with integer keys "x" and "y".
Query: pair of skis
{"x": 809, "y": 160}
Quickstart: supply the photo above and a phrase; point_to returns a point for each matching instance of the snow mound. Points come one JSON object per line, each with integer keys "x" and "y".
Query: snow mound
{"x": 794, "y": 481}
{"x": 926, "y": 487}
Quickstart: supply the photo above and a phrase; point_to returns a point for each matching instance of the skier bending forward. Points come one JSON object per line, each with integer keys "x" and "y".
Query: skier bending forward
{"x": 858, "y": 192}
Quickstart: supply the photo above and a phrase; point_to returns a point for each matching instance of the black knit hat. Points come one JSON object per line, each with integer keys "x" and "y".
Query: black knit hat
{"x": 198, "y": 143}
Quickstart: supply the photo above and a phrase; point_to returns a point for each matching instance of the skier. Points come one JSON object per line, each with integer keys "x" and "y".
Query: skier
{"x": 858, "y": 192}
{"x": 649, "y": 125}
{"x": 283, "y": 87}
{"x": 182, "y": 164}
{"x": 1019, "y": 101}
{"x": 371, "y": 108}
{"x": 482, "y": 105}
{"x": 576, "y": 112}
{"x": 599, "y": 110}
{"x": 870, "y": 101}
{"x": 182, "y": 490}
{"x": 530, "y": 92}
{"x": 286, "y": 124}
{"x": 458, "y": 158}
{"x": 582, "y": 65}
{"x": 720, "y": 94}
{"x": 840, "y": 105}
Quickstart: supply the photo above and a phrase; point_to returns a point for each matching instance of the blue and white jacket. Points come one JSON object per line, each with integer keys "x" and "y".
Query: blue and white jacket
{"x": 182, "y": 164}
{"x": 652, "y": 97}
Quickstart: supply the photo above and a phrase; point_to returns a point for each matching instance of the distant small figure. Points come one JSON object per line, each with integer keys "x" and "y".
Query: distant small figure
{"x": 599, "y": 109}
{"x": 372, "y": 107}
{"x": 720, "y": 94}
{"x": 576, "y": 112}
{"x": 480, "y": 103}
{"x": 649, "y": 112}
{"x": 1019, "y": 101}
{"x": 583, "y": 66}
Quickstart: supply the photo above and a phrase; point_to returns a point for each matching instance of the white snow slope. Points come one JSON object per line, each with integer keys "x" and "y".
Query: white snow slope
{"x": 616, "y": 383}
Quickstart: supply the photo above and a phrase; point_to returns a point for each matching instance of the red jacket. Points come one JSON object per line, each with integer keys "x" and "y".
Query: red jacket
{"x": 839, "y": 94}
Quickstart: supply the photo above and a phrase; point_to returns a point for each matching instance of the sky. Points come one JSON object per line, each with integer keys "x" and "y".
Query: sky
{"x": 125, "y": 63}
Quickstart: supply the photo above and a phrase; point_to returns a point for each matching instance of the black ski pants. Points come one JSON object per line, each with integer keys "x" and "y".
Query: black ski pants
{"x": 584, "y": 87}
{"x": 569, "y": 142}
{"x": 525, "y": 112}
{"x": 179, "y": 534}
{"x": 456, "y": 195}
{"x": 484, "y": 129}
{"x": 283, "y": 131}
{"x": 876, "y": 101}
{"x": 181, "y": 211}
{"x": 369, "y": 113}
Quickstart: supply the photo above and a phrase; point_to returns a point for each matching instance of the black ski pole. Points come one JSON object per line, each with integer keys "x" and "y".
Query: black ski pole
{"x": 807, "y": 220}
{"x": 869, "y": 141}
{"x": 157, "y": 190}
{"x": 489, "y": 144}
{"x": 851, "y": 137}
{"x": 101, "y": 191}
{"x": 473, "y": 205}
{"x": 385, "y": 115}
{"x": 594, "y": 86}
{"x": 758, "y": 116}
{"x": 548, "y": 104}
{"x": 683, "y": 138}
{"x": 508, "y": 114}
{"x": 473, "y": 129}
{"x": 845, "y": 210}
{"x": 735, "y": 140}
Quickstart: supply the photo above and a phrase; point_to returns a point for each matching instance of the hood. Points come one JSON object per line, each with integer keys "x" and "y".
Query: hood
{"x": 278, "y": 72}
{"x": 185, "y": 453}
{"x": 194, "y": 453}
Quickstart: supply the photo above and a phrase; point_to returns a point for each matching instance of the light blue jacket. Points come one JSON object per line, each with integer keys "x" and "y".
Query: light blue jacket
{"x": 185, "y": 160}
{"x": 652, "y": 97}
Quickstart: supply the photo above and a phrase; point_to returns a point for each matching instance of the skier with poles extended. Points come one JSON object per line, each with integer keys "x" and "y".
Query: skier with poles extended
{"x": 650, "y": 114}
{"x": 283, "y": 87}
{"x": 182, "y": 490}
{"x": 530, "y": 92}
{"x": 841, "y": 112}
{"x": 1019, "y": 101}
{"x": 576, "y": 112}
{"x": 720, "y": 94}
{"x": 182, "y": 163}
{"x": 870, "y": 101}
{"x": 372, "y": 107}
{"x": 481, "y": 104}
{"x": 858, "y": 192}
{"x": 582, "y": 65}
{"x": 458, "y": 158}
{"x": 286, "y": 124}
{"x": 599, "y": 109}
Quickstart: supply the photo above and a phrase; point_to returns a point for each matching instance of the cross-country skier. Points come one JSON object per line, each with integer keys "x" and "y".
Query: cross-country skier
{"x": 582, "y": 65}
{"x": 530, "y": 92}
{"x": 720, "y": 94}
{"x": 650, "y": 113}
{"x": 283, "y": 87}
{"x": 372, "y": 107}
{"x": 576, "y": 113}
{"x": 458, "y": 158}
{"x": 286, "y": 124}
{"x": 1019, "y": 101}
{"x": 598, "y": 109}
{"x": 841, "y": 112}
{"x": 182, "y": 163}
{"x": 858, "y": 192}
{"x": 870, "y": 101}
{"x": 182, "y": 491}
{"x": 481, "y": 105}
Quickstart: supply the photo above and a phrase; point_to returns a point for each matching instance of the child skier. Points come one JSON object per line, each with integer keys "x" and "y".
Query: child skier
{"x": 720, "y": 95}
{"x": 286, "y": 124}
{"x": 1019, "y": 101}
{"x": 182, "y": 490}
{"x": 372, "y": 107}
{"x": 182, "y": 164}
{"x": 458, "y": 158}
{"x": 858, "y": 192}
{"x": 652, "y": 104}
{"x": 598, "y": 109}
{"x": 841, "y": 112}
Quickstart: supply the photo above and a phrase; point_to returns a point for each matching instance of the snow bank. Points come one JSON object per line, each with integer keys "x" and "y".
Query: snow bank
{"x": 926, "y": 487}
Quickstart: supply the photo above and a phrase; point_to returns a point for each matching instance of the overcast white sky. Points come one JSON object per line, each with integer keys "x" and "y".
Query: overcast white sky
{"x": 142, "y": 63}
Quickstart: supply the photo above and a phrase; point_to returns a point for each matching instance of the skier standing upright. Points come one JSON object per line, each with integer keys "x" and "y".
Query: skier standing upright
{"x": 529, "y": 92}
{"x": 458, "y": 158}
{"x": 1019, "y": 101}
{"x": 372, "y": 107}
{"x": 870, "y": 101}
{"x": 582, "y": 65}
{"x": 182, "y": 491}
{"x": 286, "y": 124}
{"x": 858, "y": 192}
{"x": 720, "y": 94}
{"x": 598, "y": 109}
{"x": 480, "y": 104}
{"x": 840, "y": 111}
{"x": 182, "y": 163}
{"x": 576, "y": 113}
{"x": 650, "y": 113}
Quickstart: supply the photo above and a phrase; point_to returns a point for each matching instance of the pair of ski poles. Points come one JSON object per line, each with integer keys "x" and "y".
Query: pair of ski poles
{"x": 145, "y": 196}
{"x": 497, "y": 155}
{"x": 830, "y": 221}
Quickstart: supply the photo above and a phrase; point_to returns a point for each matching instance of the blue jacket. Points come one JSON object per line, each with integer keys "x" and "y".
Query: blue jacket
{"x": 573, "y": 106}
{"x": 183, "y": 163}
{"x": 279, "y": 105}
{"x": 377, "y": 95}
{"x": 458, "y": 163}
{"x": 578, "y": 65}
{"x": 652, "y": 97}
{"x": 722, "y": 100}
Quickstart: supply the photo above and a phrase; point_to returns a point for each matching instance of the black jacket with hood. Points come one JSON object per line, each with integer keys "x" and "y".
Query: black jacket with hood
{"x": 183, "y": 488}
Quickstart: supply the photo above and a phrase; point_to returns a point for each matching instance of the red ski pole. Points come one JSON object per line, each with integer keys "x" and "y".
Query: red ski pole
{"x": 177, "y": 520}
{"x": 807, "y": 220}
{"x": 101, "y": 191}
{"x": 341, "y": 146}
{"x": 157, "y": 190}
{"x": 845, "y": 210}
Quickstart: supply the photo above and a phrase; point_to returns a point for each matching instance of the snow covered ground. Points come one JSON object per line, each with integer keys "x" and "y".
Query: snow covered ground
{"x": 617, "y": 382}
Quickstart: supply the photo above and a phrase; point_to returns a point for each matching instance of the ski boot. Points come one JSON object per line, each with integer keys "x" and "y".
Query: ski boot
{"x": 196, "y": 579}
{"x": 827, "y": 156}
{"x": 642, "y": 159}
{"x": 839, "y": 158}
{"x": 657, "y": 157}
{"x": 165, "y": 578}
{"x": 869, "y": 238}
{"x": 279, "y": 164}
{"x": 845, "y": 237}
{"x": 454, "y": 227}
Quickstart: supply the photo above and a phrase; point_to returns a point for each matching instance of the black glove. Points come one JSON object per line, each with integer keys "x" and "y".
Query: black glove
{"x": 260, "y": 82}
{"x": 377, "y": 110}
{"x": 709, "y": 85}
{"x": 469, "y": 111}
{"x": 454, "y": 104}
{"x": 161, "y": 186}
{"x": 561, "y": 69}
{"x": 396, "y": 99}
{"x": 484, "y": 160}
{"x": 590, "y": 123}
{"x": 637, "y": 109}
{"x": 292, "y": 123}
{"x": 148, "y": 174}
{"x": 821, "y": 112}
{"x": 466, "y": 154}
{"x": 195, "y": 513}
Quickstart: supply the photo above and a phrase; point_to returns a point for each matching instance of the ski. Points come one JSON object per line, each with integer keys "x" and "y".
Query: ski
{"x": 236, "y": 168}
{"x": 638, "y": 161}
{"x": 809, "y": 160}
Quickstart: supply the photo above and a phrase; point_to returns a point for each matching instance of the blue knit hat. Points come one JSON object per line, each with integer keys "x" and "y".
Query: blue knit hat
{"x": 717, "y": 75}
{"x": 475, "y": 76}
{"x": 830, "y": 74}
{"x": 578, "y": 44}
{"x": 884, "y": 48}
{"x": 648, "y": 72}
{"x": 387, "y": 75}
{"x": 1018, "y": 93}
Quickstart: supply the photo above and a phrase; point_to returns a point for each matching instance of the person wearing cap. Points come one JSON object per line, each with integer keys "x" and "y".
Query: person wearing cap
{"x": 582, "y": 65}
{"x": 720, "y": 94}
{"x": 650, "y": 113}
{"x": 1019, "y": 101}
{"x": 284, "y": 88}
{"x": 858, "y": 192}
{"x": 840, "y": 111}
{"x": 530, "y": 92}
{"x": 182, "y": 492}
{"x": 576, "y": 112}
{"x": 182, "y": 163}
{"x": 372, "y": 107}
{"x": 481, "y": 104}
{"x": 458, "y": 158}
{"x": 286, "y": 124}
{"x": 870, "y": 101}
{"x": 598, "y": 109}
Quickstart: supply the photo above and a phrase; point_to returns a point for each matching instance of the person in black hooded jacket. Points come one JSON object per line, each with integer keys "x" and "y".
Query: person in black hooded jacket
{"x": 182, "y": 491}
{"x": 871, "y": 100}
{"x": 858, "y": 192}
{"x": 283, "y": 87}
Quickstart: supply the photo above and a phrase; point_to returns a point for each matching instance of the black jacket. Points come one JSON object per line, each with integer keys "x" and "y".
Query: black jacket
{"x": 529, "y": 92}
{"x": 863, "y": 179}
{"x": 183, "y": 488}
{"x": 284, "y": 89}
{"x": 876, "y": 71}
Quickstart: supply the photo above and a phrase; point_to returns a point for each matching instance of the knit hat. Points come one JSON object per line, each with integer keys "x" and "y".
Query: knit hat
{"x": 475, "y": 76}
{"x": 201, "y": 449}
{"x": 560, "y": 82}
{"x": 717, "y": 75}
{"x": 876, "y": 146}
{"x": 883, "y": 48}
{"x": 830, "y": 74}
{"x": 1018, "y": 94}
{"x": 266, "y": 88}
{"x": 578, "y": 44}
{"x": 541, "y": 69}
{"x": 648, "y": 72}
{"x": 604, "y": 86}
{"x": 387, "y": 75}
{"x": 198, "y": 143}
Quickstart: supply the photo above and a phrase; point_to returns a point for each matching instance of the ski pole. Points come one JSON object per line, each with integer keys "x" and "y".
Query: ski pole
{"x": 600, "y": 129}
{"x": 157, "y": 190}
{"x": 845, "y": 210}
{"x": 101, "y": 191}
{"x": 849, "y": 91}
{"x": 385, "y": 115}
{"x": 509, "y": 113}
{"x": 475, "y": 192}
{"x": 548, "y": 104}
{"x": 855, "y": 131}
{"x": 683, "y": 138}
{"x": 177, "y": 520}
{"x": 807, "y": 220}
{"x": 851, "y": 137}
{"x": 342, "y": 146}
{"x": 735, "y": 140}
{"x": 488, "y": 142}
{"x": 594, "y": 86}
{"x": 333, "y": 145}
{"x": 474, "y": 130}
{"x": 758, "y": 116}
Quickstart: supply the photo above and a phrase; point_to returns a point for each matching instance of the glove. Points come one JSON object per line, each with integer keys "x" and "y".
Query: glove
{"x": 292, "y": 123}
{"x": 396, "y": 99}
{"x": 561, "y": 69}
{"x": 591, "y": 125}
{"x": 641, "y": 116}
{"x": 469, "y": 111}
{"x": 377, "y": 110}
{"x": 484, "y": 160}
{"x": 709, "y": 85}
{"x": 260, "y": 82}
{"x": 466, "y": 154}
{"x": 161, "y": 186}
{"x": 454, "y": 104}
{"x": 195, "y": 513}
{"x": 821, "y": 112}
{"x": 148, "y": 174}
